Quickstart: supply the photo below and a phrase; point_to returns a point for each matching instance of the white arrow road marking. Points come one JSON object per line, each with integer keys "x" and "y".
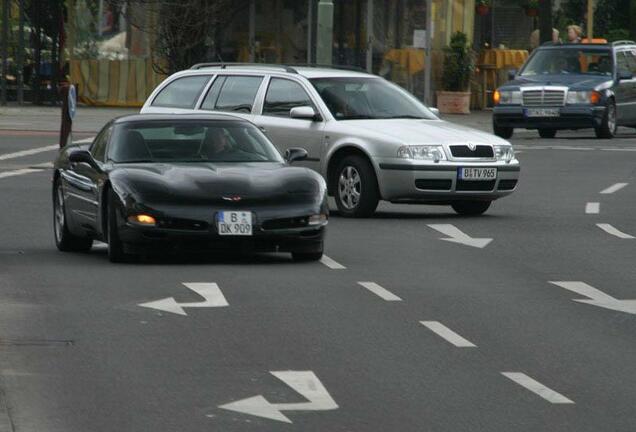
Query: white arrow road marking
{"x": 331, "y": 263}
{"x": 380, "y": 291}
{"x": 304, "y": 382}
{"x": 446, "y": 333}
{"x": 209, "y": 291}
{"x": 613, "y": 188}
{"x": 598, "y": 298}
{"x": 456, "y": 236}
{"x": 592, "y": 208}
{"x": 613, "y": 231}
{"x": 536, "y": 387}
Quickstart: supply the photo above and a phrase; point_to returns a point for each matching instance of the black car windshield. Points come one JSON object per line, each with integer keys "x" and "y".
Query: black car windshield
{"x": 564, "y": 61}
{"x": 190, "y": 141}
{"x": 352, "y": 98}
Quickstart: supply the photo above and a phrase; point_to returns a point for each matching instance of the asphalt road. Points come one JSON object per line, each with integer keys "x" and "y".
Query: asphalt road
{"x": 443, "y": 337}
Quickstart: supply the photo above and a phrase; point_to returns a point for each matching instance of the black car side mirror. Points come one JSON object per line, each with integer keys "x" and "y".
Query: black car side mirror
{"x": 512, "y": 73}
{"x": 295, "y": 154}
{"x": 625, "y": 75}
{"x": 83, "y": 156}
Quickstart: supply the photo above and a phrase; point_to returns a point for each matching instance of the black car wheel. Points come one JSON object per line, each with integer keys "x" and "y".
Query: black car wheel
{"x": 64, "y": 239}
{"x": 356, "y": 187}
{"x": 503, "y": 132}
{"x": 471, "y": 208}
{"x": 547, "y": 133}
{"x": 608, "y": 125}
{"x": 116, "y": 252}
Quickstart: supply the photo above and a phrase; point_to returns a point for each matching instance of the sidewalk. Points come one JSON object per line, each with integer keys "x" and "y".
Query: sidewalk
{"x": 91, "y": 119}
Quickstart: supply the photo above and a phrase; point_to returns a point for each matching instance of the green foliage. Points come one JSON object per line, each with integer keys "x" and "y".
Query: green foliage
{"x": 482, "y": 3}
{"x": 530, "y": 4}
{"x": 611, "y": 17}
{"x": 459, "y": 63}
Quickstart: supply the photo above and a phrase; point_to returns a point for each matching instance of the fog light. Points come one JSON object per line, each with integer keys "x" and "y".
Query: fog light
{"x": 320, "y": 219}
{"x": 142, "y": 219}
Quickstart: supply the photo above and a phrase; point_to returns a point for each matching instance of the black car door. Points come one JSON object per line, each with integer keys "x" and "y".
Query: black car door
{"x": 630, "y": 117}
{"x": 624, "y": 92}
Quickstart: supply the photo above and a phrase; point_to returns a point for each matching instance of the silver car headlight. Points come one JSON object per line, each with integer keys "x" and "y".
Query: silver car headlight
{"x": 422, "y": 152}
{"x": 510, "y": 97}
{"x": 504, "y": 153}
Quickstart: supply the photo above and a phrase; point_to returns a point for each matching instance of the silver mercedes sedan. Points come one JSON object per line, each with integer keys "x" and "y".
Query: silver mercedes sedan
{"x": 369, "y": 138}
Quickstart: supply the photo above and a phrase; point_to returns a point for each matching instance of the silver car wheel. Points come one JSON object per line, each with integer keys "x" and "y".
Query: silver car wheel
{"x": 58, "y": 220}
{"x": 349, "y": 187}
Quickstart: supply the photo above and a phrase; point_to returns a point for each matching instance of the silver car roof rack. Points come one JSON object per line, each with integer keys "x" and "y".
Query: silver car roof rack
{"x": 228, "y": 65}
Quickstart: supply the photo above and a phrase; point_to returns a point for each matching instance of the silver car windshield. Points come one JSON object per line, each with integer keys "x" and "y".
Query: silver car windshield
{"x": 351, "y": 98}
{"x": 190, "y": 141}
{"x": 568, "y": 61}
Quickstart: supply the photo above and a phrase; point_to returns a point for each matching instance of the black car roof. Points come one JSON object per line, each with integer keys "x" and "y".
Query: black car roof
{"x": 198, "y": 116}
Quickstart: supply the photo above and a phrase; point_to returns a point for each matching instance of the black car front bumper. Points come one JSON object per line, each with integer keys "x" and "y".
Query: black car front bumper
{"x": 570, "y": 117}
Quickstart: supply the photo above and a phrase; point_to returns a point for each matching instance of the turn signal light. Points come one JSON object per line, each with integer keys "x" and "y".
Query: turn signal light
{"x": 142, "y": 219}
{"x": 595, "y": 97}
{"x": 496, "y": 97}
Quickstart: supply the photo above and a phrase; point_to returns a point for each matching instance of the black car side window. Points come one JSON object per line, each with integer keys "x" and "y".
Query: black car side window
{"x": 98, "y": 148}
{"x": 182, "y": 92}
{"x": 631, "y": 60}
{"x": 283, "y": 95}
{"x": 238, "y": 93}
{"x": 621, "y": 62}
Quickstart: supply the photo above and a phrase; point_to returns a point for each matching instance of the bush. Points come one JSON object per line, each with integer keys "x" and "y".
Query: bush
{"x": 459, "y": 64}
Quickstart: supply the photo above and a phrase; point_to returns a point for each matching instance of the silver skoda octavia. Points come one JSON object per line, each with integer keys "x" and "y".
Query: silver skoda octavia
{"x": 370, "y": 139}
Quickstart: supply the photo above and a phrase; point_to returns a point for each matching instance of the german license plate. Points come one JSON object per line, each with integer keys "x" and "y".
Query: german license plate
{"x": 478, "y": 174}
{"x": 234, "y": 223}
{"x": 542, "y": 112}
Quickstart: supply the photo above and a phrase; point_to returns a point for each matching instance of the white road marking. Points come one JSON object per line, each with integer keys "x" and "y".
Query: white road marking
{"x": 304, "y": 382}
{"x": 596, "y": 297}
{"x": 32, "y": 169}
{"x": 457, "y": 236}
{"x": 213, "y": 297}
{"x": 331, "y": 263}
{"x": 614, "y": 188}
{"x": 536, "y": 387}
{"x": 380, "y": 291}
{"x": 446, "y": 333}
{"x": 29, "y": 152}
{"x": 613, "y": 231}
{"x": 592, "y": 208}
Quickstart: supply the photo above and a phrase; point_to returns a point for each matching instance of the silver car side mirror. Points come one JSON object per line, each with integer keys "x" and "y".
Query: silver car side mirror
{"x": 434, "y": 111}
{"x": 303, "y": 112}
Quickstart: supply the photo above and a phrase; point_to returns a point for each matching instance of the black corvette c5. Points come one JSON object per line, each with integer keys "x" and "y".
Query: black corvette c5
{"x": 190, "y": 183}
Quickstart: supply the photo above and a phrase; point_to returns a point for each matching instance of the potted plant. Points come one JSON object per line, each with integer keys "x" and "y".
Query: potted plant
{"x": 459, "y": 65}
{"x": 531, "y": 7}
{"x": 482, "y": 7}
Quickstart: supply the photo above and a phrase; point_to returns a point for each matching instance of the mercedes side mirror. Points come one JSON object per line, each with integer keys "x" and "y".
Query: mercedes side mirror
{"x": 512, "y": 74}
{"x": 83, "y": 156}
{"x": 434, "y": 111}
{"x": 303, "y": 113}
{"x": 625, "y": 75}
{"x": 295, "y": 154}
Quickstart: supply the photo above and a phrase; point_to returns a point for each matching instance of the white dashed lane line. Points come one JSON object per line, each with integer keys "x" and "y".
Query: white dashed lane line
{"x": 447, "y": 334}
{"x": 381, "y": 292}
{"x": 537, "y": 388}
{"x": 29, "y": 152}
{"x": 613, "y": 231}
{"x": 592, "y": 208}
{"x": 331, "y": 263}
{"x": 33, "y": 169}
{"x": 614, "y": 188}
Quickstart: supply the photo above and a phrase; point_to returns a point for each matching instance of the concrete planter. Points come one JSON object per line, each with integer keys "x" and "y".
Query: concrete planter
{"x": 453, "y": 102}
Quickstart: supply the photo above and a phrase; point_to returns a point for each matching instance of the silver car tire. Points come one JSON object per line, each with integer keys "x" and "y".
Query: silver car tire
{"x": 356, "y": 187}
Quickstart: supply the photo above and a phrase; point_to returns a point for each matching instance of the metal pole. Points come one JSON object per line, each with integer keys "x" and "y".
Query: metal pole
{"x": 310, "y": 25}
{"x": 324, "y": 45}
{"x": 5, "y": 51}
{"x": 252, "y": 30}
{"x": 428, "y": 97}
{"x": 590, "y": 20}
{"x": 20, "y": 56}
{"x": 370, "y": 36}
{"x": 545, "y": 21}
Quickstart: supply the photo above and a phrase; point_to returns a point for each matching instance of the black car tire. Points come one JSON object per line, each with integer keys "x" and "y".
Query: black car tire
{"x": 547, "y": 133}
{"x": 116, "y": 252}
{"x": 608, "y": 125}
{"x": 503, "y": 132}
{"x": 306, "y": 256}
{"x": 356, "y": 175}
{"x": 471, "y": 208}
{"x": 64, "y": 239}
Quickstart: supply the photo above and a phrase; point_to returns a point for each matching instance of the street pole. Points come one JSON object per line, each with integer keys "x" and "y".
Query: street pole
{"x": 428, "y": 63}
{"x": 5, "y": 51}
{"x": 20, "y": 56}
{"x": 324, "y": 42}
{"x": 252, "y": 31}
{"x": 370, "y": 36}
{"x": 545, "y": 20}
{"x": 590, "y": 20}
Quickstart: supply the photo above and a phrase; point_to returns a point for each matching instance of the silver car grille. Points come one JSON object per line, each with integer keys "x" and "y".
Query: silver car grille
{"x": 543, "y": 98}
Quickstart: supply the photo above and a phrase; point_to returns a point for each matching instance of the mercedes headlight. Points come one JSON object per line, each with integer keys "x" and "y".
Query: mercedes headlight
{"x": 508, "y": 97}
{"x": 504, "y": 153}
{"x": 583, "y": 97}
{"x": 422, "y": 152}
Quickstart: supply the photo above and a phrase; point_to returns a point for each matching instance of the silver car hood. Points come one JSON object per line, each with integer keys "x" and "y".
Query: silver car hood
{"x": 412, "y": 131}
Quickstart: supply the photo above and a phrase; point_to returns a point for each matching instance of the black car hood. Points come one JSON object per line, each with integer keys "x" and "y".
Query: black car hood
{"x": 586, "y": 82}
{"x": 210, "y": 183}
